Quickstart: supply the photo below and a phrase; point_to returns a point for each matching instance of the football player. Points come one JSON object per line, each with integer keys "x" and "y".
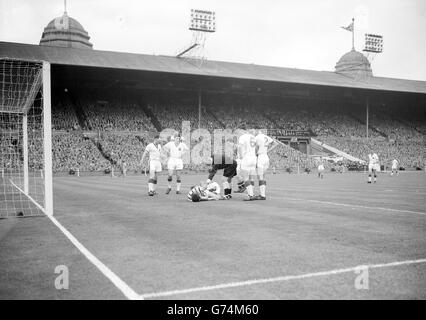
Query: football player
{"x": 373, "y": 166}
{"x": 234, "y": 154}
{"x": 175, "y": 148}
{"x": 153, "y": 149}
{"x": 206, "y": 192}
{"x": 395, "y": 167}
{"x": 124, "y": 168}
{"x": 247, "y": 154}
{"x": 263, "y": 142}
{"x": 321, "y": 168}
{"x": 229, "y": 167}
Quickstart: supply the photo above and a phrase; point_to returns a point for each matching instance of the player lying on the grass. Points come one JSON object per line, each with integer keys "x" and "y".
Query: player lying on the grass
{"x": 206, "y": 192}
{"x": 394, "y": 167}
{"x": 229, "y": 167}
{"x": 153, "y": 149}
{"x": 373, "y": 166}
{"x": 175, "y": 149}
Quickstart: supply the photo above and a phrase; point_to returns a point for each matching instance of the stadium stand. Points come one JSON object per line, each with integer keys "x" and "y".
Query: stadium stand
{"x": 235, "y": 112}
{"x": 116, "y": 115}
{"x": 394, "y": 129}
{"x": 118, "y": 121}
{"x": 171, "y": 116}
{"x": 122, "y": 148}
{"x": 72, "y": 151}
{"x": 64, "y": 116}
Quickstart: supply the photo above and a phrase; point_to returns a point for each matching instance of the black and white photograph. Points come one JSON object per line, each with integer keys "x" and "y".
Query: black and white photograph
{"x": 211, "y": 150}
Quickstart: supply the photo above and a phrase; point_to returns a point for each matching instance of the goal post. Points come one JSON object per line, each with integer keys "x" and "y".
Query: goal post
{"x": 25, "y": 138}
{"x": 47, "y": 141}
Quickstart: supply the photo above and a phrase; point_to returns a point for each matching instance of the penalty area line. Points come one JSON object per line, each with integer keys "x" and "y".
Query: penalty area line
{"x": 128, "y": 292}
{"x": 355, "y": 205}
{"x": 279, "y": 279}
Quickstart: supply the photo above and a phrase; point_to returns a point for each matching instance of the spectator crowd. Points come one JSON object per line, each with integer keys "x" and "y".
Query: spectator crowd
{"x": 115, "y": 125}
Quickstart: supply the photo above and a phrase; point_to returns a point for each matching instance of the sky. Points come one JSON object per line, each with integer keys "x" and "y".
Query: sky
{"x": 303, "y": 34}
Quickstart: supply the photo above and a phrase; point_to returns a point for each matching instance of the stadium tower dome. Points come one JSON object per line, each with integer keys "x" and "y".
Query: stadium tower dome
{"x": 354, "y": 63}
{"x": 65, "y": 32}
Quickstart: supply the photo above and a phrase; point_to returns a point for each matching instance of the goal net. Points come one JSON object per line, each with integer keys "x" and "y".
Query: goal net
{"x": 25, "y": 139}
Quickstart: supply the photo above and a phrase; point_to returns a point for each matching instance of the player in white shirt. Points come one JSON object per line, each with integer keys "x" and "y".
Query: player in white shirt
{"x": 247, "y": 154}
{"x": 175, "y": 149}
{"x": 373, "y": 166}
{"x": 263, "y": 142}
{"x": 395, "y": 167}
{"x": 321, "y": 169}
{"x": 234, "y": 154}
{"x": 153, "y": 149}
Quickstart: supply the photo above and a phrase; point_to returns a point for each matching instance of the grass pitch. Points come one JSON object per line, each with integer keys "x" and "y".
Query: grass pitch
{"x": 161, "y": 244}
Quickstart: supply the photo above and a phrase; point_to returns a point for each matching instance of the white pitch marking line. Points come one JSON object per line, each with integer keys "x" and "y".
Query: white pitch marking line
{"x": 28, "y": 196}
{"x": 338, "y": 204}
{"x": 279, "y": 279}
{"x": 355, "y": 205}
{"x": 128, "y": 292}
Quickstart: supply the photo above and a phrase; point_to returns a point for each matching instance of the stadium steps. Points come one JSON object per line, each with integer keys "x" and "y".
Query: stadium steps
{"x": 81, "y": 117}
{"x": 98, "y": 145}
{"x": 408, "y": 124}
{"x": 318, "y": 150}
{"x": 215, "y": 117}
{"x": 369, "y": 126}
{"x": 334, "y": 130}
{"x": 151, "y": 116}
{"x": 316, "y": 144}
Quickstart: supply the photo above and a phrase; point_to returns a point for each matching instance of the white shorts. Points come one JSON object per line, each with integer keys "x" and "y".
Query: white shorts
{"x": 174, "y": 164}
{"x": 248, "y": 164}
{"x": 372, "y": 167}
{"x": 155, "y": 166}
{"x": 394, "y": 168}
{"x": 320, "y": 168}
{"x": 262, "y": 163}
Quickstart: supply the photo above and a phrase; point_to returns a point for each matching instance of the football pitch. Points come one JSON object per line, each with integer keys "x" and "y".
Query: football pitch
{"x": 331, "y": 238}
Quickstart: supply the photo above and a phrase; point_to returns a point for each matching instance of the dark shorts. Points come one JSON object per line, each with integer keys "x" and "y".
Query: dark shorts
{"x": 229, "y": 170}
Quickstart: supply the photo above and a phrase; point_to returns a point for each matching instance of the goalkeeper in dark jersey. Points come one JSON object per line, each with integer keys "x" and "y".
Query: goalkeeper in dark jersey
{"x": 229, "y": 167}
